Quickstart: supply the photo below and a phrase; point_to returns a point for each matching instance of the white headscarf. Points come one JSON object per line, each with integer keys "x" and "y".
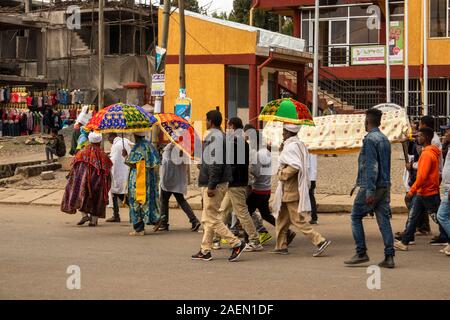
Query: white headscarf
{"x": 295, "y": 128}
{"x": 141, "y": 134}
{"x": 84, "y": 116}
{"x": 95, "y": 137}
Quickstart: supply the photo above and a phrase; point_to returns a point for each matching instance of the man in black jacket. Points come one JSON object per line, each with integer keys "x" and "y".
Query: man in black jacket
{"x": 239, "y": 157}
{"x": 215, "y": 174}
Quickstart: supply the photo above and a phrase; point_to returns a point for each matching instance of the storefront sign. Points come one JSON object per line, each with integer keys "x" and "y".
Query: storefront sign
{"x": 366, "y": 55}
{"x": 158, "y": 85}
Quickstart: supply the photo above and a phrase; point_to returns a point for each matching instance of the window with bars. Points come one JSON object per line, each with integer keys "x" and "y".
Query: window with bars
{"x": 439, "y": 18}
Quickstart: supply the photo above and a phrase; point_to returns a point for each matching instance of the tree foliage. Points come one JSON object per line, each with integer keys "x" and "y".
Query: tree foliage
{"x": 190, "y": 5}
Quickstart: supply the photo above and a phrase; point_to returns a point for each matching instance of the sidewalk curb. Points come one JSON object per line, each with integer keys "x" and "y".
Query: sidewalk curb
{"x": 325, "y": 203}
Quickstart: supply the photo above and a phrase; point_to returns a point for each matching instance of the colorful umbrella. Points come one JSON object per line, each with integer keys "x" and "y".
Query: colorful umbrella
{"x": 180, "y": 132}
{"x": 287, "y": 110}
{"x": 121, "y": 118}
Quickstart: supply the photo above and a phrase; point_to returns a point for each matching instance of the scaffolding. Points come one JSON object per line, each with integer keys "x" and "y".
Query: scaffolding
{"x": 68, "y": 55}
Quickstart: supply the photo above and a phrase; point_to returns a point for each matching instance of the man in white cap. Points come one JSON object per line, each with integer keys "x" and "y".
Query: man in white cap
{"x": 89, "y": 183}
{"x": 329, "y": 110}
{"x": 291, "y": 199}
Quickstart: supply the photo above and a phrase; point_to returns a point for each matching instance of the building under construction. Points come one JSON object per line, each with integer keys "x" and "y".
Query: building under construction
{"x": 55, "y": 43}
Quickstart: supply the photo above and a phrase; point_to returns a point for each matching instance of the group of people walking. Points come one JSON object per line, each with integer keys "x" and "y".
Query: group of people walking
{"x": 235, "y": 177}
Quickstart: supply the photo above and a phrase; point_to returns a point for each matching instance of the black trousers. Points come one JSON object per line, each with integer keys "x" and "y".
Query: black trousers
{"x": 115, "y": 198}
{"x": 260, "y": 202}
{"x": 165, "y": 197}
{"x": 312, "y": 199}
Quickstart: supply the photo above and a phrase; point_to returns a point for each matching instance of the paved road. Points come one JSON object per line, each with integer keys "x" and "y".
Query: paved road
{"x": 37, "y": 244}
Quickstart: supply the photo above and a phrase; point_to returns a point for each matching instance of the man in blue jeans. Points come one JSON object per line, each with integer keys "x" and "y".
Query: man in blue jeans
{"x": 443, "y": 214}
{"x": 374, "y": 182}
{"x": 426, "y": 188}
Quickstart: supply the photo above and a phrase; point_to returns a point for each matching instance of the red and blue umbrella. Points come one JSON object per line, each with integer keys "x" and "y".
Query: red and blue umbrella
{"x": 180, "y": 132}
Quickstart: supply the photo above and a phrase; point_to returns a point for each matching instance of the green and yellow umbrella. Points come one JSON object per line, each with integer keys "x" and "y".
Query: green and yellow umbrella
{"x": 287, "y": 110}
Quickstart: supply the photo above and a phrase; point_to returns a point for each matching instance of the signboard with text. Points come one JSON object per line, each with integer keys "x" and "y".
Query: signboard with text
{"x": 158, "y": 85}
{"x": 367, "y": 55}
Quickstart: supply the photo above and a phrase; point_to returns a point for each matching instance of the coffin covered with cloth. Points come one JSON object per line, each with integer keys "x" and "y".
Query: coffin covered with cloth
{"x": 341, "y": 134}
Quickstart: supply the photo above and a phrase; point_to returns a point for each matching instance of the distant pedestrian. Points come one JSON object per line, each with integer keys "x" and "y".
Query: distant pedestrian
{"x": 55, "y": 146}
{"x": 329, "y": 109}
{"x": 374, "y": 195}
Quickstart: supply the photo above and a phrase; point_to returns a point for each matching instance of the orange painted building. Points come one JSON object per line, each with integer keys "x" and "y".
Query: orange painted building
{"x": 225, "y": 64}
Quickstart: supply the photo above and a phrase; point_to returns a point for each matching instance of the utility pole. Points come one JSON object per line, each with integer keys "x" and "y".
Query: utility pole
{"x": 406, "y": 54}
{"x": 388, "y": 55}
{"x": 164, "y": 40}
{"x": 28, "y": 6}
{"x": 101, "y": 54}
{"x": 182, "y": 58}
{"x": 425, "y": 59}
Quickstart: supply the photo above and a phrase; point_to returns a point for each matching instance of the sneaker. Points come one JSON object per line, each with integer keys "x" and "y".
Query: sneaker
{"x": 438, "y": 242}
{"x": 201, "y": 256}
{"x": 195, "y": 226}
{"x": 400, "y": 246}
{"x": 279, "y": 251}
{"x": 216, "y": 245}
{"x": 253, "y": 247}
{"x": 357, "y": 259}
{"x": 237, "y": 251}
{"x": 399, "y": 238}
{"x": 264, "y": 237}
{"x": 163, "y": 227}
{"x": 137, "y": 234}
{"x": 321, "y": 248}
{"x": 447, "y": 250}
{"x": 290, "y": 237}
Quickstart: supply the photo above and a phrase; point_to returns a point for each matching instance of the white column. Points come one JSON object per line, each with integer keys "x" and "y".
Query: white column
{"x": 388, "y": 61}
{"x": 406, "y": 54}
{"x": 425, "y": 57}
{"x": 316, "y": 61}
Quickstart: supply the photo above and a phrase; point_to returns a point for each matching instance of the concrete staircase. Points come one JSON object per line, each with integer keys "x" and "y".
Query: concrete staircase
{"x": 288, "y": 81}
{"x": 80, "y": 44}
